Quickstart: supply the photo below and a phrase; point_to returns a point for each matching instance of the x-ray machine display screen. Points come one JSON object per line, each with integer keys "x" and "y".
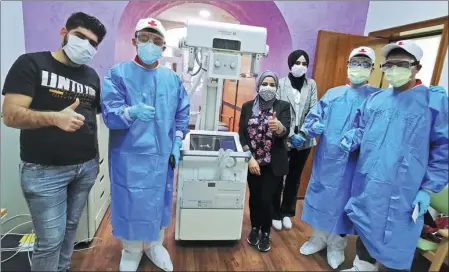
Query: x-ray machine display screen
{"x": 212, "y": 142}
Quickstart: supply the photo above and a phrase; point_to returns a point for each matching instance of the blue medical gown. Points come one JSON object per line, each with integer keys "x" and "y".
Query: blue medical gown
{"x": 403, "y": 140}
{"x": 141, "y": 178}
{"x": 330, "y": 184}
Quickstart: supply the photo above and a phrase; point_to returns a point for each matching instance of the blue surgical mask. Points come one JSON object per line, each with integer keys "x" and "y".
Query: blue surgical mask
{"x": 149, "y": 53}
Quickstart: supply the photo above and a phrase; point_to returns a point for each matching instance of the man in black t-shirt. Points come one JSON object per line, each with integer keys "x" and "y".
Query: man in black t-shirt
{"x": 53, "y": 97}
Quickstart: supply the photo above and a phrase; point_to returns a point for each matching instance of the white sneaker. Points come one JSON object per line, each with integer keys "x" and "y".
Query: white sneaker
{"x": 317, "y": 242}
{"x": 287, "y": 223}
{"x": 130, "y": 260}
{"x": 360, "y": 265}
{"x": 277, "y": 224}
{"x": 159, "y": 256}
{"x": 336, "y": 250}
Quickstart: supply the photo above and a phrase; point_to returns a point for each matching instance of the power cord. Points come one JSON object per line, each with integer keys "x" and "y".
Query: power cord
{"x": 28, "y": 239}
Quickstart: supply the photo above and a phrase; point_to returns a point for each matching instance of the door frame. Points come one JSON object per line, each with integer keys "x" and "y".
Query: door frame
{"x": 394, "y": 34}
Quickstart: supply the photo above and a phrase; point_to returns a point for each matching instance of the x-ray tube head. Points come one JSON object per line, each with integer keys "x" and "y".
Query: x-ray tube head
{"x": 228, "y": 37}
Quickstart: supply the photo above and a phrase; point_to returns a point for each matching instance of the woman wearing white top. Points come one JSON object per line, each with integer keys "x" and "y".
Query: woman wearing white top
{"x": 301, "y": 93}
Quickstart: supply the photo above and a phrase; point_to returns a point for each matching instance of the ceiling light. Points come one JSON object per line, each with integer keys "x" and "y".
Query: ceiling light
{"x": 204, "y": 13}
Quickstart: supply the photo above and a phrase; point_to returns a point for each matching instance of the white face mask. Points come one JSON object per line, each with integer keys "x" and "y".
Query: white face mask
{"x": 298, "y": 70}
{"x": 79, "y": 51}
{"x": 398, "y": 76}
{"x": 358, "y": 75}
{"x": 267, "y": 93}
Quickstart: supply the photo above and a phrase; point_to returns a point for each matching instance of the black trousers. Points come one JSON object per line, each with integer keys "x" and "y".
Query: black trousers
{"x": 261, "y": 191}
{"x": 289, "y": 195}
{"x": 428, "y": 220}
{"x": 364, "y": 255}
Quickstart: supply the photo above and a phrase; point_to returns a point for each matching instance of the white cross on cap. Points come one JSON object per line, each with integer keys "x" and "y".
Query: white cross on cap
{"x": 408, "y": 45}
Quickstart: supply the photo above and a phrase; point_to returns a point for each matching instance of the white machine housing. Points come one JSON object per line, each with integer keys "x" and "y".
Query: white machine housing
{"x": 212, "y": 183}
{"x": 210, "y": 205}
{"x": 99, "y": 197}
{"x": 225, "y": 36}
{"x": 221, "y": 46}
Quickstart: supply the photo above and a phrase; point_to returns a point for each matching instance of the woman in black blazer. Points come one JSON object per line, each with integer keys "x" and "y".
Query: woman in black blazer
{"x": 263, "y": 128}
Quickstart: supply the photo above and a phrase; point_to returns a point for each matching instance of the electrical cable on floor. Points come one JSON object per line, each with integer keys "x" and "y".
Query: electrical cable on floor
{"x": 29, "y": 237}
{"x": 28, "y": 252}
{"x": 28, "y": 222}
{"x": 21, "y": 246}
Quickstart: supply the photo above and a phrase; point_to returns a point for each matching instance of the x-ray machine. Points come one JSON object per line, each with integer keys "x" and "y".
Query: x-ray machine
{"x": 213, "y": 168}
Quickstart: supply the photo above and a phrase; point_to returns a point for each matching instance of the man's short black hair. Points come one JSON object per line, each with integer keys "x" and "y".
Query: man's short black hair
{"x": 81, "y": 19}
{"x": 401, "y": 51}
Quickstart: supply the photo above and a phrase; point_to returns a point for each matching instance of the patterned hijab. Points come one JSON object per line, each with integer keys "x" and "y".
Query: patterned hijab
{"x": 260, "y": 104}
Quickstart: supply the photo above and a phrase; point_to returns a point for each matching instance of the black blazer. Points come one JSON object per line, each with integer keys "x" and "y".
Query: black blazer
{"x": 279, "y": 153}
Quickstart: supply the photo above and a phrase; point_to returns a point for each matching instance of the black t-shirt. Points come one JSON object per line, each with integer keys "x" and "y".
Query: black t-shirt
{"x": 53, "y": 87}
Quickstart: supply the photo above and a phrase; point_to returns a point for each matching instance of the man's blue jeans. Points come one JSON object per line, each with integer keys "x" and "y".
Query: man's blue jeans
{"x": 56, "y": 196}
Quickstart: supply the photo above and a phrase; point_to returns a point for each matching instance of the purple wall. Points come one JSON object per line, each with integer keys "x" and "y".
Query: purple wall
{"x": 247, "y": 12}
{"x": 290, "y": 24}
{"x": 44, "y": 19}
{"x": 306, "y": 18}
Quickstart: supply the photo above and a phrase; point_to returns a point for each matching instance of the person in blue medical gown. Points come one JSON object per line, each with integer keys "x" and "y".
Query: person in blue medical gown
{"x": 146, "y": 108}
{"x": 401, "y": 134}
{"x": 330, "y": 184}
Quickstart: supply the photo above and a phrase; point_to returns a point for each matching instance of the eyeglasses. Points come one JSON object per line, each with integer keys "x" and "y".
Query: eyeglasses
{"x": 363, "y": 64}
{"x": 398, "y": 63}
{"x": 145, "y": 37}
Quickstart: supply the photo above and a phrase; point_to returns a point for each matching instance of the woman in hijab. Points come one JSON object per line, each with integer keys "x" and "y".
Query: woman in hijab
{"x": 263, "y": 128}
{"x": 301, "y": 93}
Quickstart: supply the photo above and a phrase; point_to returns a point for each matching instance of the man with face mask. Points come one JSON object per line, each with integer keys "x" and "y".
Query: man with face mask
{"x": 402, "y": 137}
{"x": 332, "y": 168}
{"x": 146, "y": 109}
{"x": 53, "y": 97}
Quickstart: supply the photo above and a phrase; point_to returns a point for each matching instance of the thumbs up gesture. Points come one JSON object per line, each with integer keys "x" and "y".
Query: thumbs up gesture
{"x": 142, "y": 111}
{"x": 68, "y": 120}
{"x": 274, "y": 123}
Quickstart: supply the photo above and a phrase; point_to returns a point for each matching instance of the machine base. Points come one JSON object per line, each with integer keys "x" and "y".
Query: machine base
{"x": 210, "y": 224}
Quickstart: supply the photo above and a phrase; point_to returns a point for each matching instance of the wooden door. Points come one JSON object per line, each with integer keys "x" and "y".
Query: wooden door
{"x": 330, "y": 70}
{"x": 245, "y": 92}
{"x": 235, "y": 93}
{"x": 228, "y": 109}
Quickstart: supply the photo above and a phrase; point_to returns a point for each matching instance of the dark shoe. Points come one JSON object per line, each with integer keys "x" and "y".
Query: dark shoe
{"x": 264, "y": 244}
{"x": 254, "y": 237}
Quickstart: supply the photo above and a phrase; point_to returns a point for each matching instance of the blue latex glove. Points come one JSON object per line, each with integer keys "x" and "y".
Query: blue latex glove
{"x": 142, "y": 111}
{"x": 317, "y": 128}
{"x": 437, "y": 89}
{"x": 176, "y": 152}
{"x": 345, "y": 144}
{"x": 423, "y": 200}
{"x": 298, "y": 140}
